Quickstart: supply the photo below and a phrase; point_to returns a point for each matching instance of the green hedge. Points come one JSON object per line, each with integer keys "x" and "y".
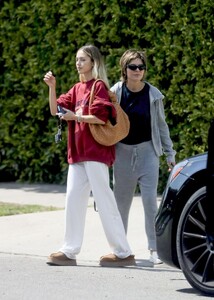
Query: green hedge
{"x": 37, "y": 36}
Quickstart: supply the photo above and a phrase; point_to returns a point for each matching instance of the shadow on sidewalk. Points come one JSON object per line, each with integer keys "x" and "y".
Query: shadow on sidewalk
{"x": 37, "y": 188}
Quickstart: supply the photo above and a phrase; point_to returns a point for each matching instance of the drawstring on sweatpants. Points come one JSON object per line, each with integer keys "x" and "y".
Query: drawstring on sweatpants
{"x": 134, "y": 158}
{"x": 95, "y": 207}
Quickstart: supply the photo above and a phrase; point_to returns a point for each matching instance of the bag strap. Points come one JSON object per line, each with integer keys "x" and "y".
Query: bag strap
{"x": 92, "y": 92}
{"x": 112, "y": 96}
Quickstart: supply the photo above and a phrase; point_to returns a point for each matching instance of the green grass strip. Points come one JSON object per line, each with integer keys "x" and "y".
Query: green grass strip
{"x": 8, "y": 209}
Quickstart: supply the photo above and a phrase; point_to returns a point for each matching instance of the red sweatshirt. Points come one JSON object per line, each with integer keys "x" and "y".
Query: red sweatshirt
{"x": 81, "y": 145}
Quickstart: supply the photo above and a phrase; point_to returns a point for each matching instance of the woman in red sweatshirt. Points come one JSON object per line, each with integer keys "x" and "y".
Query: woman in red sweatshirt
{"x": 88, "y": 162}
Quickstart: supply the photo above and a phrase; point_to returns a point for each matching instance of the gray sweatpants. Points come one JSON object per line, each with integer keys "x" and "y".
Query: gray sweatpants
{"x": 137, "y": 164}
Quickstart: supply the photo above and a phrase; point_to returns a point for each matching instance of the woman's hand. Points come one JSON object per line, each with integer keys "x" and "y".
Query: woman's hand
{"x": 170, "y": 164}
{"x": 68, "y": 116}
{"x": 49, "y": 79}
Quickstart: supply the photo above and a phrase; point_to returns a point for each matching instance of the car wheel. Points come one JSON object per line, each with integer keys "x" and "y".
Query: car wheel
{"x": 194, "y": 246}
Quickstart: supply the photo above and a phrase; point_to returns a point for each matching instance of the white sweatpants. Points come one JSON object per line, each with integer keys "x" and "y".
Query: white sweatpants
{"x": 82, "y": 178}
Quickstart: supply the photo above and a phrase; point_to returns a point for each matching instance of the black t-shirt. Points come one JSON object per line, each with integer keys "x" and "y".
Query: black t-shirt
{"x": 137, "y": 107}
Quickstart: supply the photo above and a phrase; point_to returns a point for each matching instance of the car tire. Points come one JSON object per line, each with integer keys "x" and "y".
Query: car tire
{"x": 194, "y": 248}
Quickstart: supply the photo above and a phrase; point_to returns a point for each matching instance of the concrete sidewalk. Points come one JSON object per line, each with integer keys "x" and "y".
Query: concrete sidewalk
{"x": 40, "y": 234}
{"x": 41, "y": 194}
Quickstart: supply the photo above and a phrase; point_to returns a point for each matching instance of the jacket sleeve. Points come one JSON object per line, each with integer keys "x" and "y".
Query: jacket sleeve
{"x": 164, "y": 133}
{"x": 117, "y": 89}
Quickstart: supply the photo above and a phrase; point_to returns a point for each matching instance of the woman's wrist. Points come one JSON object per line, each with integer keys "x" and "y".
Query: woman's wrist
{"x": 79, "y": 119}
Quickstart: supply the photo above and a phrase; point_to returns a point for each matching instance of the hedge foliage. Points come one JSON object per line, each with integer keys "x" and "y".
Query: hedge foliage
{"x": 37, "y": 36}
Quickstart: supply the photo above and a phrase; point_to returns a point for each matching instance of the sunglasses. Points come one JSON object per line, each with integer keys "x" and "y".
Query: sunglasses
{"x": 135, "y": 67}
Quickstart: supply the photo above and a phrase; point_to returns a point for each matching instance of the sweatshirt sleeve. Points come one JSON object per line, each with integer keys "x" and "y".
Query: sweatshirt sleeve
{"x": 67, "y": 100}
{"x": 102, "y": 107}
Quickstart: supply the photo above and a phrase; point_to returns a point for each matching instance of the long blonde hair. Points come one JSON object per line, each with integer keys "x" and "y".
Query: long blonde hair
{"x": 99, "y": 70}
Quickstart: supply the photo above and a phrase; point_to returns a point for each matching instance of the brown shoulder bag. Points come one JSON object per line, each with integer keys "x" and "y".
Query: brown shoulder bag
{"x": 109, "y": 134}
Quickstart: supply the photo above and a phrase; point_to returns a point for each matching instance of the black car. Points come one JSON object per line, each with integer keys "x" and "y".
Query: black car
{"x": 185, "y": 234}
